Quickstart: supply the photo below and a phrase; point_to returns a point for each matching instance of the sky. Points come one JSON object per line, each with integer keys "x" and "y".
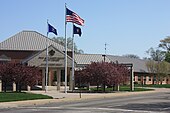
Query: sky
{"x": 126, "y": 26}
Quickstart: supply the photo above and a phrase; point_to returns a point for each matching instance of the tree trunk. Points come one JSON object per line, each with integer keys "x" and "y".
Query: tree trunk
{"x": 17, "y": 88}
{"x": 161, "y": 81}
{"x": 20, "y": 87}
{"x": 117, "y": 87}
{"x": 97, "y": 87}
{"x": 88, "y": 87}
{"x": 157, "y": 80}
{"x": 104, "y": 87}
{"x": 113, "y": 87}
{"x": 153, "y": 80}
{"x": 5, "y": 86}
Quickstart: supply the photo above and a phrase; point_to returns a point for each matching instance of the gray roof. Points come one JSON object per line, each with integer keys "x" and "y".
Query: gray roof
{"x": 84, "y": 59}
{"x": 139, "y": 65}
{"x": 28, "y": 40}
{"x": 88, "y": 58}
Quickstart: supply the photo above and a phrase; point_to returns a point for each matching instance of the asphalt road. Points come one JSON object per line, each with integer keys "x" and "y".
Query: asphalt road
{"x": 143, "y": 103}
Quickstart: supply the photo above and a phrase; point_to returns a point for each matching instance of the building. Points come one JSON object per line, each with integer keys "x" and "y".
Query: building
{"x": 29, "y": 47}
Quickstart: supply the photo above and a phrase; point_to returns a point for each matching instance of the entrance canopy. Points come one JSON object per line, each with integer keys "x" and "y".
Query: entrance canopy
{"x": 4, "y": 58}
{"x": 56, "y": 58}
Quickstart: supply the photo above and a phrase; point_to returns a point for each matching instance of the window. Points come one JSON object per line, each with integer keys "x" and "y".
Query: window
{"x": 144, "y": 78}
{"x": 154, "y": 78}
{"x": 149, "y": 78}
{"x": 62, "y": 75}
{"x": 139, "y": 78}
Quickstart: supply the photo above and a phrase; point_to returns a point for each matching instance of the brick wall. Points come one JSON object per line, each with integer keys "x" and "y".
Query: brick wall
{"x": 17, "y": 56}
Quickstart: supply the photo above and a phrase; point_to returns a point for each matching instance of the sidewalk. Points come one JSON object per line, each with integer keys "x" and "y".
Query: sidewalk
{"x": 61, "y": 97}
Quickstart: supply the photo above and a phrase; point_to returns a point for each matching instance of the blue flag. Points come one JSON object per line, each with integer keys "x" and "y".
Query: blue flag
{"x": 77, "y": 30}
{"x": 52, "y": 29}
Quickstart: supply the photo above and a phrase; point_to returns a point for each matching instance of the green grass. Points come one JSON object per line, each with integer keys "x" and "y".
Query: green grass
{"x": 15, "y": 96}
{"x": 127, "y": 88}
{"x": 155, "y": 85}
{"x": 123, "y": 88}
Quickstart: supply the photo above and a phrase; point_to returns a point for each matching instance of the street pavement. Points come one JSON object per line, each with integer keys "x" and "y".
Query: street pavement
{"x": 61, "y": 96}
{"x": 137, "y": 102}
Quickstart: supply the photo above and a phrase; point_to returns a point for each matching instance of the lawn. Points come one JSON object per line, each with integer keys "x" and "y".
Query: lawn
{"x": 15, "y": 96}
{"x": 123, "y": 88}
{"x": 127, "y": 88}
{"x": 154, "y": 85}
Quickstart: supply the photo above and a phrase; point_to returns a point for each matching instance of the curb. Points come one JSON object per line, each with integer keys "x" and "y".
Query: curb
{"x": 5, "y": 105}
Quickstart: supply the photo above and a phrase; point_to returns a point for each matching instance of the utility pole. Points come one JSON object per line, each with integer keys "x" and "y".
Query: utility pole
{"x": 104, "y": 56}
{"x": 105, "y": 47}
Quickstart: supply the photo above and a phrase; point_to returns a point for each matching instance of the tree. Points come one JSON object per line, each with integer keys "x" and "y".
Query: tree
{"x": 61, "y": 40}
{"x": 20, "y": 74}
{"x": 6, "y": 74}
{"x": 103, "y": 73}
{"x": 123, "y": 74}
{"x": 131, "y": 56}
{"x": 151, "y": 67}
{"x": 156, "y": 55}
{"x": 163, "y": 71}
{"x": 81, "y": 77}
{"x": 26, "y": 75}
{"x": 167, "y": 57}
{"x": 165, "y": 43}
{"x": 159, "y": 69}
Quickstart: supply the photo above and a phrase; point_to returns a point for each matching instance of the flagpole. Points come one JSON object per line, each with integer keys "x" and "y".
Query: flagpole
{"x": 46, "y": 76}
{"x": 65, "y": 54}
{"x": 73, "y": 59}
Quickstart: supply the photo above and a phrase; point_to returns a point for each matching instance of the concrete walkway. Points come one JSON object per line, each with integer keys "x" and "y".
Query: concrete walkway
{"x": 60, "y": 97}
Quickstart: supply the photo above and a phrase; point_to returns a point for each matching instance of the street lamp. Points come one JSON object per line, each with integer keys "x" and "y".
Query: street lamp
{"x": 104, "y": 57}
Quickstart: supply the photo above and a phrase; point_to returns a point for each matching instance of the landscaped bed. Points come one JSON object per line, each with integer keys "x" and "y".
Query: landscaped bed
{"x": 15, "y": 96}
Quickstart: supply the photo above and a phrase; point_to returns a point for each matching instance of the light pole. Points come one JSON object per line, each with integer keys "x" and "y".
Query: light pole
{"x": 131, "y": 75}
{"x": 104, "y": 64}
{"x": 104, "y": 57}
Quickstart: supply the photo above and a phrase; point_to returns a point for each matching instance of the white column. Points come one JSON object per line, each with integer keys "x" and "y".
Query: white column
{"x": 43, "y": 79}
{"x": 0, "y": 85}
{"x": 118, "y": 87}
{"x": 28, "y": 88}
{"x": 71, "y": 81}
{"x": 132, "y": 80}
{"x": 49, "y": 78}
{"x": 14, "y": 86}
{"x": 58, "y": 79}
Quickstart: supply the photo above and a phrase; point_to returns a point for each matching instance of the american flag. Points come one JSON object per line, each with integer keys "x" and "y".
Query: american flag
{"x": 73, "y": 17}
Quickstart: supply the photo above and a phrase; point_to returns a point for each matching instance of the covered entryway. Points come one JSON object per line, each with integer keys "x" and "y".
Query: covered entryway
{"x": 56, "y": 72}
